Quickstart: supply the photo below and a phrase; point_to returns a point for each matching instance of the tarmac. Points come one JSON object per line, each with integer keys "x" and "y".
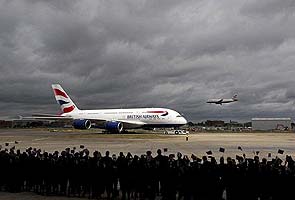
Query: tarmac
{"x": 198, "y": 143}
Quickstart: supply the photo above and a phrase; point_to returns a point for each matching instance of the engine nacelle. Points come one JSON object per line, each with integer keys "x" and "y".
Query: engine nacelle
{"x": 114, "y": 126}
{"x": 82, "y": 124}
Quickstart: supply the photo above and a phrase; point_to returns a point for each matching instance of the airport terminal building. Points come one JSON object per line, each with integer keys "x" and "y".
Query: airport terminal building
{"x": 267, "y": 124}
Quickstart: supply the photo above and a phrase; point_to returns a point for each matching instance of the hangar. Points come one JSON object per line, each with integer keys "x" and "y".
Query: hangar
{"x": 266, "y": 124}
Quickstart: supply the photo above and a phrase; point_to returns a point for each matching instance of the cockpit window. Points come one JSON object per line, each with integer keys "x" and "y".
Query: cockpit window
{"x": 180, "y": 115}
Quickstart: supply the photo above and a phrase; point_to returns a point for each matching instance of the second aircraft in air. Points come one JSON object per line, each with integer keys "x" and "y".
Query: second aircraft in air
{"x": 221, "y": 101}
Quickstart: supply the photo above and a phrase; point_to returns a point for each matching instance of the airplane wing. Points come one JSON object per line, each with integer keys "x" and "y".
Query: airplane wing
{"x": 220, "y": 101}
{"x": 126, "y": 123}
{"x": 46, "y": 118}
{"x": 44, "y": 115}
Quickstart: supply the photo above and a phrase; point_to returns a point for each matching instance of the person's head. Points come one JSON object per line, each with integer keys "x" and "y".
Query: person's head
{"x": 179, "y": 155}
{"x": 171, "y": 156}
{"x": 148, "y": 153}
{"x": 98, "y": 154}
{"x": 81, "y": 153}
{"x": 159, "y": 152}
{"x": 129, "y": 155}
{"x": 95, "y": 153}
{"x": 114, "y": 157}
{"x": 186, "y": 159}
{"x": 135, "y": 158}
{"x": 256, "y": 159}
{"x": 107, "y": 153}
{"x": 221, "y": 160}
{"x": 86, "y": 152}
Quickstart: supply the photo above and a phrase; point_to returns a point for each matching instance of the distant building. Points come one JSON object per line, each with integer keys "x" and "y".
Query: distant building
{"x": 266, "y": 124}
{"x": 214, "y": 123}
{"x": 248, "y": 124}
{"x": 234, "y": 126}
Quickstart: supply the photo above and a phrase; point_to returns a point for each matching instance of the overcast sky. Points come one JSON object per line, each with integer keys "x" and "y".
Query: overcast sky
{"x": 148, "y": 53}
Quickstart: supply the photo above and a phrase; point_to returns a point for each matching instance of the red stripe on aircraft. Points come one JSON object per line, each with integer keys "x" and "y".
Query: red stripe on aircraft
{"x": 69, "y": 109}
{"x": 157, "y": 111}
{"x": 61, "y": 93}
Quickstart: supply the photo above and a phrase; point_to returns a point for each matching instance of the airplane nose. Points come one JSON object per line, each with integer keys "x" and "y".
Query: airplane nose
{"x": 184, "y": 121}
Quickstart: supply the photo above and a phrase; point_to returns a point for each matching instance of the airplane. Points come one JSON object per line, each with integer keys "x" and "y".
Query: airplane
{"x": 221, "y": 101}
{"x": 112, "y": 120}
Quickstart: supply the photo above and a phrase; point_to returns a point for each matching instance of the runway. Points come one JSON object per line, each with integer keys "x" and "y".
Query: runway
{"x": 52, "y": 140}
{"x": 197, "y": 144}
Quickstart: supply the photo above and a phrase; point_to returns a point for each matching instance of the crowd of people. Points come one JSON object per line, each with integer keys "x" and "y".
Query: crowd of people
{"x": 77, "y": 173}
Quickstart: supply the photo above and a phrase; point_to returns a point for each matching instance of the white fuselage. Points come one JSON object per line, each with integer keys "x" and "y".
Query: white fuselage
{"x": 221, "y": 101}
{"x": 152, "y": 117}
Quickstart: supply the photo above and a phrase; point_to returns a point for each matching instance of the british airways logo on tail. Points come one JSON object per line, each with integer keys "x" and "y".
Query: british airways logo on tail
{"x": 61, "y": 102}
{"x": 58, "y": 92}
{"x": 68, "y": 109}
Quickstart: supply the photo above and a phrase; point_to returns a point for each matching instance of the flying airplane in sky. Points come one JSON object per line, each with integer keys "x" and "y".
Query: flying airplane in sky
{"x": 113, "y": 120}
{"x": 221, "y": 101}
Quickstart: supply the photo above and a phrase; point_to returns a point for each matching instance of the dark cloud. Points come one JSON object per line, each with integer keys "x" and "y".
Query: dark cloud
{"x": 269, "y": 7}
{"x": 175, "y": 54}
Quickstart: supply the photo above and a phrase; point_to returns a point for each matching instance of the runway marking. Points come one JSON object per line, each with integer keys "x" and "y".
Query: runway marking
{"x": 39, "y": 139}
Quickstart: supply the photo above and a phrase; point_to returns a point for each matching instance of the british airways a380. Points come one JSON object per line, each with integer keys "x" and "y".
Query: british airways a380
{"x": 113, "y": 120}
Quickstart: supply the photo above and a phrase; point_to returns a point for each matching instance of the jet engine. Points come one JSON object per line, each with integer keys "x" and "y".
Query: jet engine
{"x": 114, "y": 126}
{"x": 82, "y": 124}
